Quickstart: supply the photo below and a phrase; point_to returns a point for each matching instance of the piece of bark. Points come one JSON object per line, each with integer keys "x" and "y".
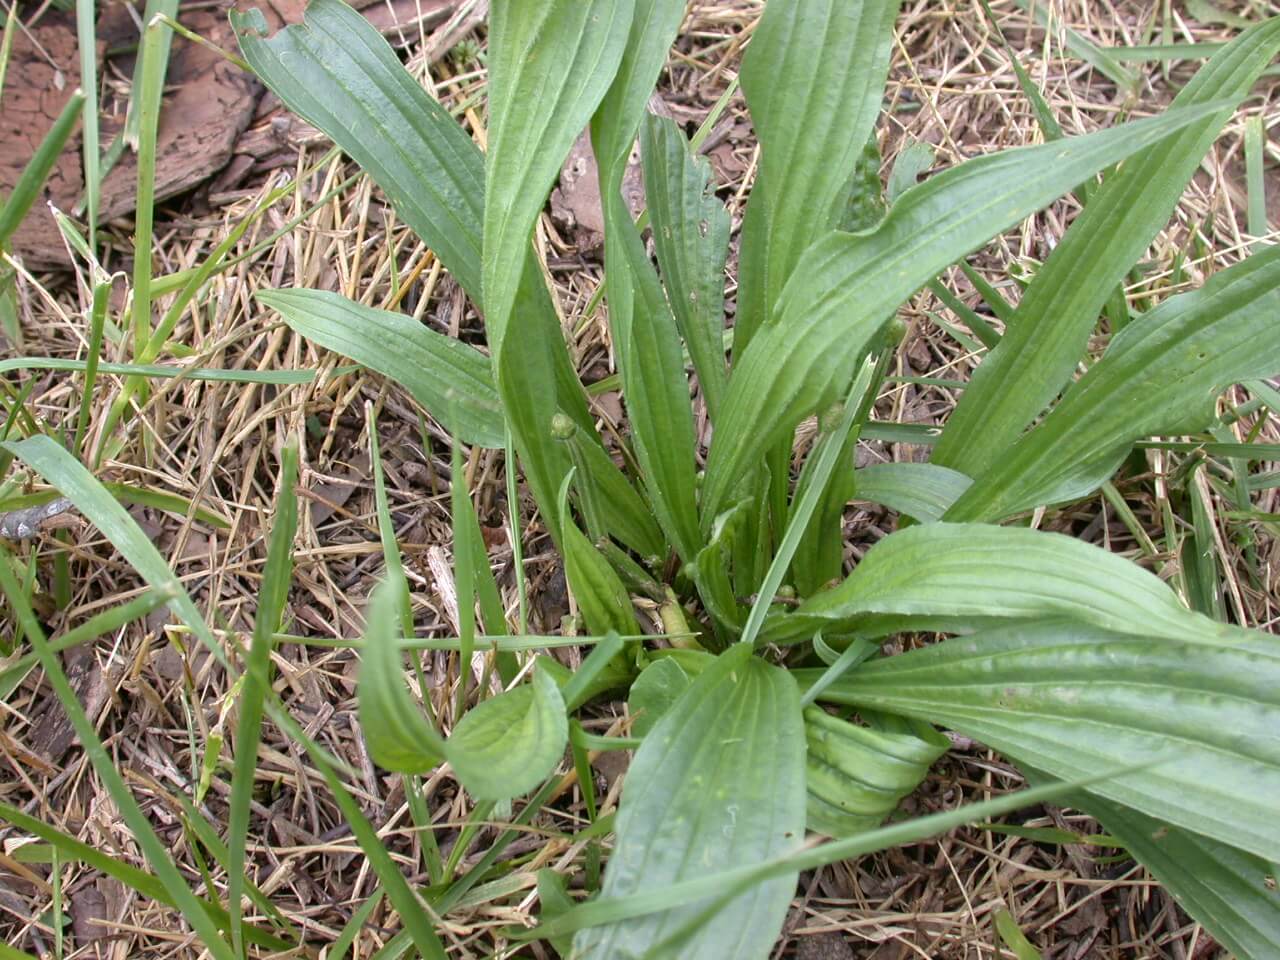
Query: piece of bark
{"x": 52, "y": 736}
{"x": 209, "y": 102}
{"x": 40, "y": 79}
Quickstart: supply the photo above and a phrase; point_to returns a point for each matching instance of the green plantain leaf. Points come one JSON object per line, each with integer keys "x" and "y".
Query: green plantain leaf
{"x": 1069, "y": 698}
{"x": 659, "y": 685}
{"x": 550, "y": 63}
{"x": 653, "y": 28}
{"x": 645, "y": 335}
{"x": 452, "y": 381}
{"x": 814, "y": 78}
{"x": 596, "y": 586}
{"x": 336, "y": 71}
{"x": 1233, "y": 893}
{"x": 397, "y": 732}
{"x": 848, "y": 284}
{"x": 508, "y": 745}
{"x": 957, "y": 575}
{"x": 923, "y": 491}
{"x": 719, "y": 781}
{"x": 1160, "y": 375}
{"x": 1050, "y": 329}
{"x": 691, "y": 237}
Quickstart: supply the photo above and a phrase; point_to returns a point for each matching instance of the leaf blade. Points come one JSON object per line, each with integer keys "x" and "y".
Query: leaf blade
{"x": 761, "y": 769}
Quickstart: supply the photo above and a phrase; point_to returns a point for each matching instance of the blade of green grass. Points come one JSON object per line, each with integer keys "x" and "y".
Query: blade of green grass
{"x": 152, "y": 847}
{"x": 141, "y": 126}
{"x": 277, "y": 377}
{"x": 32, "y": 179}
{"x": 86, "y": 39}
{"x": 272, "y": 597}
{"x": 97, "y": 318}
{"x": 108, "y": 621}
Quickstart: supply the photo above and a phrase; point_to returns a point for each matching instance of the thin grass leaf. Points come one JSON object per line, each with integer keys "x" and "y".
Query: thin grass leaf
{"x": 1050, "y": 329}
{"x": 154, "y": 13}
{"x": 1203, "y": 709}
{"x": 1081, "y": 46}
{"x": 740, "y": 800}
{"x": 6, "y": 41}
{"x": 691, "y": 237}
{"x": 108, "y": 621}
{"x": 1161, "y": 375}
{"x": 74, "y": 482}
{"x": 463, "y": 517}
{"x": 86, "y": 40}
{"x": 140, "y": 132}
{"x": 848, "y": 284}
{"x": 152, "y": 847}
{"x": 36, "y": 172}
{"x": 164, "y": 372}
{"x": 452, "y": 381}
{"x": 414, "y": 914}
{"x": 97, "y": 321}
{"x": 276, "y": 577}
{"x": 146, "y": 884}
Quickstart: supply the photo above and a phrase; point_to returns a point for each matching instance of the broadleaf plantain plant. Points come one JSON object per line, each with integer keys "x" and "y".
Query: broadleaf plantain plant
{"x": 1068, "y": 659}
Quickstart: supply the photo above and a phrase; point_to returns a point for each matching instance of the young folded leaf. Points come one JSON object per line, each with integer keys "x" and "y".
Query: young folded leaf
{"x": 1070, "y": 698}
